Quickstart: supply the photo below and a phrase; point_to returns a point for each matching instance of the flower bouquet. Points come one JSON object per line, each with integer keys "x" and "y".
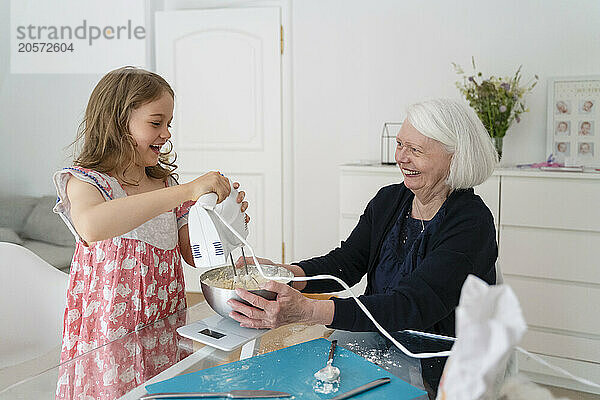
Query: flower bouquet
{"x": 497, "y": 101}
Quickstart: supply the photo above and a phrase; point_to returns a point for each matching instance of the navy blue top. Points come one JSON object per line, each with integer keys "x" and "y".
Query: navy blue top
{"x": 458, "y": 241}
{"x": 397, "y": 244}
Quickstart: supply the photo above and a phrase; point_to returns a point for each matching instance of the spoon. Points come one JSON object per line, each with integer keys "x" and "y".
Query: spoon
{"x": 329, "y": 373}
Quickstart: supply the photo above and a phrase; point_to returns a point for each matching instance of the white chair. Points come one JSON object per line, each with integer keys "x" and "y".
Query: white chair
{"x": 32, "y": 297}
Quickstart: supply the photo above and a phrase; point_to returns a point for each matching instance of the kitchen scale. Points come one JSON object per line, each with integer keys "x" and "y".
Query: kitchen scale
{"x": 222, "y": 333}
{"x": 212, "y": 241}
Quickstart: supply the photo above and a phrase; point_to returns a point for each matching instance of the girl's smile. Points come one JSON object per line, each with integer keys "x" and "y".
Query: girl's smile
{"x": 149, "y": 125}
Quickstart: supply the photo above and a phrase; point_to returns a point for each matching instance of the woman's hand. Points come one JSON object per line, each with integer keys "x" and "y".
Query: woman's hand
{"x": 240, "y": 200}
{"x": 211, "y": 182}
{"x": 290, "y": 306}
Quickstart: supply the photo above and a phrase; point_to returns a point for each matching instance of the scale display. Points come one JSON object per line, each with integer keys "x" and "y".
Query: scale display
{"x": 212, "y": 334}
{"x": 221, "y": 333}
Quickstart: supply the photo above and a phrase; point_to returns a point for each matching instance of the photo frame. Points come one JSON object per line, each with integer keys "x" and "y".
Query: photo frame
{"x": 573, "y": 127}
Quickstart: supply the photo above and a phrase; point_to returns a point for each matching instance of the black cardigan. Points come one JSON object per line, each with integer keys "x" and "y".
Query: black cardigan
{"x": 459, "y": 240}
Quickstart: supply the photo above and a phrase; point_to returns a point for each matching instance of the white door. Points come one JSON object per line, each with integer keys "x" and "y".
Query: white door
{"x": 225, "y": 68}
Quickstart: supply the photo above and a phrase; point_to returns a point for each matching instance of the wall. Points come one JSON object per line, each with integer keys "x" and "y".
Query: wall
{"x": 39, "y": 115}
{"x": 358, "y": 64}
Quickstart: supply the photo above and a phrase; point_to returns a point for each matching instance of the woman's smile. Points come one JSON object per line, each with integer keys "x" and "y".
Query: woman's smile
{"x": 410, "y": 173}
{"x": 423, "y": 161}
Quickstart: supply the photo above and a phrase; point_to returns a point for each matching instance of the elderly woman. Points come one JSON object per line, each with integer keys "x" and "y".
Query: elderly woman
{"x": 416, "y": 241}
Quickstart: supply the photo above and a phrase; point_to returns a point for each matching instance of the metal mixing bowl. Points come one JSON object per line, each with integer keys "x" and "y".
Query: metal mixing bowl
{"x": 217, "y": 297}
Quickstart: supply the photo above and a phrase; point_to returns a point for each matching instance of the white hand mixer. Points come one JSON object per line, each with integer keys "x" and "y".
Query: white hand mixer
{"x": 211, "y": 241}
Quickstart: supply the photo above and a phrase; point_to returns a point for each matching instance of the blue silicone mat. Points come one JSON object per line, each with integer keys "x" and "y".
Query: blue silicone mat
{"x": 291, "y": 370}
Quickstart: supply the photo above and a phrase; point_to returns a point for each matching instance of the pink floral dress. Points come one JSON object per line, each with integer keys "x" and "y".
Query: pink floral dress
{"x": 117, "y": 285}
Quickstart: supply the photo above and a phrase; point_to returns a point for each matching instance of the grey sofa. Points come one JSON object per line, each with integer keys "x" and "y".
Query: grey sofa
{"x": 30, "y": 222}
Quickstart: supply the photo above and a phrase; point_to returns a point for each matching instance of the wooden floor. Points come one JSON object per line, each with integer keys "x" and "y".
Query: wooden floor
{"x": 193, "y": 298}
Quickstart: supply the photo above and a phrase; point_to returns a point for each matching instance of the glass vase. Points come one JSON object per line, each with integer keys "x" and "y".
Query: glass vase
{"x": 498, "y": 144}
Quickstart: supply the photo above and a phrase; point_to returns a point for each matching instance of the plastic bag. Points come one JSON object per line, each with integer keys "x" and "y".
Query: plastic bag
{"x": 489, "y": 324}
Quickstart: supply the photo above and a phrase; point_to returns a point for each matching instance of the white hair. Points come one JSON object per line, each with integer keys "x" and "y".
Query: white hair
{"x": 458, "y": 128}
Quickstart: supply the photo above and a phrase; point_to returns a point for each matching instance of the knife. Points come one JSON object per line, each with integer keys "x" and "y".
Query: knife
{"x": 232, "y": 394}
{"x": 362, "y": 388}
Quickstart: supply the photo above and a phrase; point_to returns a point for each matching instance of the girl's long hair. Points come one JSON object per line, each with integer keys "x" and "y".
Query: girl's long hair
{"x": 104, "y": 137}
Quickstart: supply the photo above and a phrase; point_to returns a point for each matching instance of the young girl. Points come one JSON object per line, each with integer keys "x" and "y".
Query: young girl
{"x": 128, "y": 215}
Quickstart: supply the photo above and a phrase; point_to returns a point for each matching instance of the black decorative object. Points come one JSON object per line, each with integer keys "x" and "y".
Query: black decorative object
{"x": 388, "y": 142}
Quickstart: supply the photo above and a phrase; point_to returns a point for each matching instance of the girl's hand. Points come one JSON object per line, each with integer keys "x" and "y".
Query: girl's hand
{"x": 290, "y": 306}
{"x": 240, "y": 200}
{"x": 211, "y": 182}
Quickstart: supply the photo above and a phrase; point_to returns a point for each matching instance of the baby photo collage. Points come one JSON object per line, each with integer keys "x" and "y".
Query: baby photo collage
{"x": 576, "y": 132}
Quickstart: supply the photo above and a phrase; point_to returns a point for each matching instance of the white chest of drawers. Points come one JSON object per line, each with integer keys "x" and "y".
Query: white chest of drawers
{"x": 548, "y": 227}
